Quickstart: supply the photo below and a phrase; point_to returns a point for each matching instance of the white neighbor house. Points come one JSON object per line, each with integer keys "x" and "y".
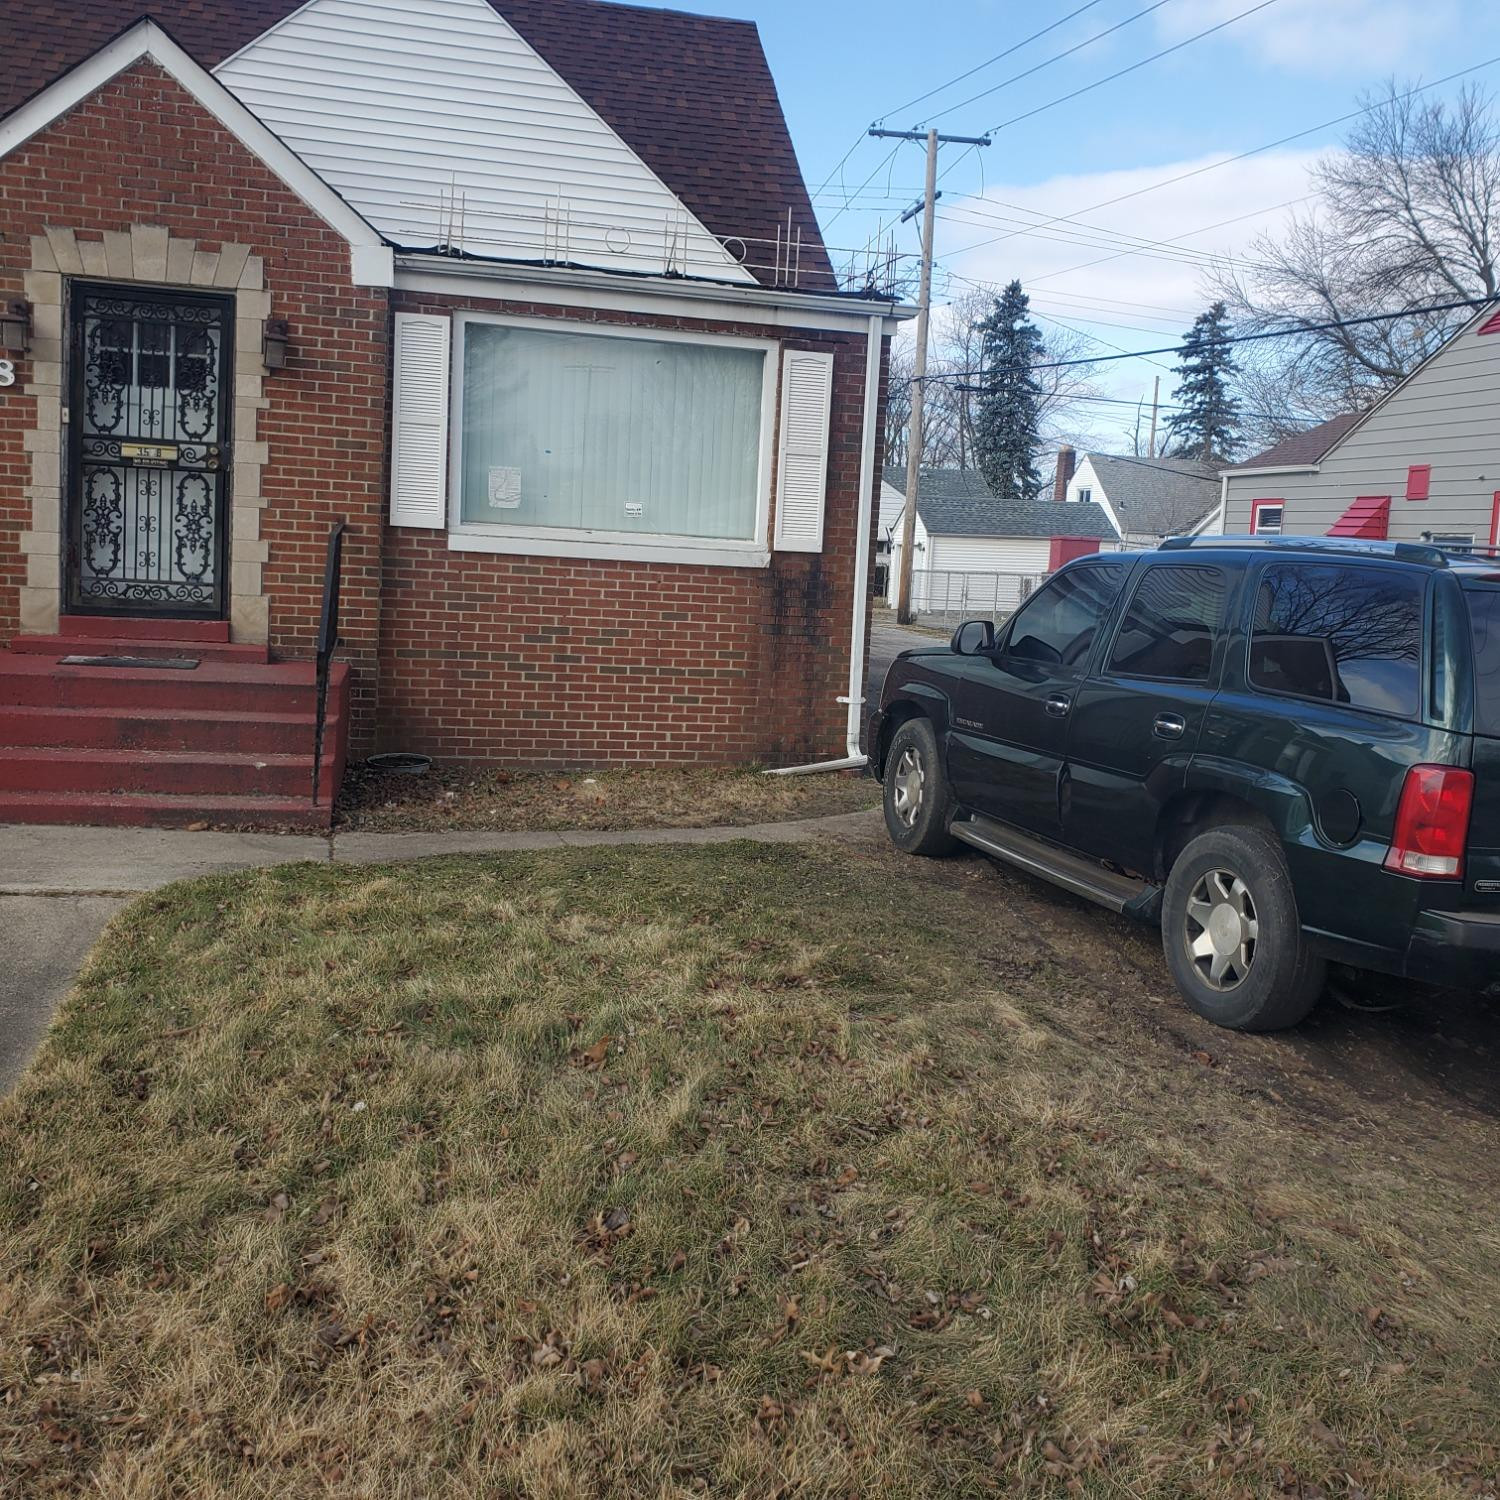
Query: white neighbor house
{"x": 972, "y": 551}
{"x": 1146, "y": 498}
{"x": 1422, "y": 464}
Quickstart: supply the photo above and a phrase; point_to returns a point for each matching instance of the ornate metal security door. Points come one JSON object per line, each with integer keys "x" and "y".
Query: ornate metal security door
{"x": 149, "y": 422}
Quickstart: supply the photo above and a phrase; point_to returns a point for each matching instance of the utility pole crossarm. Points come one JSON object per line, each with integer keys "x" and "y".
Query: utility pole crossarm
{"x": 928, "y": 208}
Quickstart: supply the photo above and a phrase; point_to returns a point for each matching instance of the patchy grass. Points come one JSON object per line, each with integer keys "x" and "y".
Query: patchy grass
{"x": 456, "y": 797}
{"x": 746, "y": 1171}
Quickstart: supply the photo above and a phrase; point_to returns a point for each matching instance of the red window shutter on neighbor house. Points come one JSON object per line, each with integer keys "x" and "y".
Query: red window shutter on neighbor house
{"x": 1369, "y": 518}
{"x": 1066, "y": 548}
{"x": 1418, "y": 481}
{"x": 1491, "y": 324}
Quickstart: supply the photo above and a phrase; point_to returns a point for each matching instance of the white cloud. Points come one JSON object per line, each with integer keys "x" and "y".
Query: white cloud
{"x": 1156, "y": 298}
{"x": 1321, "y": 36}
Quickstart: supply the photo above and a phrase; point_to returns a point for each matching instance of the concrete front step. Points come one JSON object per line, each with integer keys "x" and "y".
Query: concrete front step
{"x": 221, "y": 686}
{"x": 140, "y": 810}
{"x": 156, "y": 649}
{"x": 210, "y": 730}
{"x": 119, "y": 627}
{"x": 176, "y": 773}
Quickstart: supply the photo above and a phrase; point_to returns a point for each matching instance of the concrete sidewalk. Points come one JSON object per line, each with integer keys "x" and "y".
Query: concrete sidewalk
{"x": 59, "y": 886}
{"x": 42, "y": 861}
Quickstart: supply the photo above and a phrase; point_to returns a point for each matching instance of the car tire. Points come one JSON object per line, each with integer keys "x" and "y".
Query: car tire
{"x": 1232, "y": 935}
{"x": 918, "y": 800}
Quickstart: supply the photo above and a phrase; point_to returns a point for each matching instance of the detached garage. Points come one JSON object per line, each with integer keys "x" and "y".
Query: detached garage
{"x": 976, "y": 554}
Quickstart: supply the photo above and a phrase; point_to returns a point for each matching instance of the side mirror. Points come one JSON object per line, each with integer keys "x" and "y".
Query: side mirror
{"x": 973, "y": 637}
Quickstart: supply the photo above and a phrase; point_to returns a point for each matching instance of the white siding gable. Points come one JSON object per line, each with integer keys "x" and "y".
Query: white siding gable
{"x": 1446, "y": 414}
{"x": 443, "y": 126}
{"x": 1084, "y": 478}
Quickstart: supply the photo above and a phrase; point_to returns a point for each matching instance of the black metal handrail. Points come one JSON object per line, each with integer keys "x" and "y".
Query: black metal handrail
{"x": 328, "y": 640}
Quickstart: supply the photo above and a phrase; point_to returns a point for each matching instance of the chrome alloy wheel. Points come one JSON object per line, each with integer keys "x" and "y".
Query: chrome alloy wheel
{"x": 907, "y": 784}
{"x": 1221, "y": 929}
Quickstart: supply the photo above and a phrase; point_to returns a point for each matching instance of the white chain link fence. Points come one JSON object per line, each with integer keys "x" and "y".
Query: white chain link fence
{"x": 940, "y": 597}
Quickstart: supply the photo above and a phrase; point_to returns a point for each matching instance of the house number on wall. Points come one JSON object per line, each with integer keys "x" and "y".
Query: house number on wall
{"x": 7, "y": 372}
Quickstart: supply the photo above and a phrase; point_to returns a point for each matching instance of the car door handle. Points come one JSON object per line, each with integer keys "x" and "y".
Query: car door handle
{"x": 1169, "y": 726}
{"x": 1057, "y": 705}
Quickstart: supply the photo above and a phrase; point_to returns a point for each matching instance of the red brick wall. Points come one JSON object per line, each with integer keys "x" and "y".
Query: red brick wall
{"x": 541, "y": 661}
{"x": 142, "y": 151}
{"x": 482, "y": 657}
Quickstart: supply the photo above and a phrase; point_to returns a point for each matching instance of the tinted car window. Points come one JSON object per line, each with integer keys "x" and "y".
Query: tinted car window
{"x": 1170, "y": 627}
{"x": 1484, "y": 611}
{"x": 1059, "y": 625}
{"x": 1342, "y": 634}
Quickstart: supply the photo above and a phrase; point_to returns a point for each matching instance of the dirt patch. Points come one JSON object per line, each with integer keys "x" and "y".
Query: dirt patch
{"x": 466, "y": 799}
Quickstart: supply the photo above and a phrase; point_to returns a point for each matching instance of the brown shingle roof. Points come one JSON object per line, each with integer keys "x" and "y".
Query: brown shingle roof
{"x": 1303, "y": 447}
{"x": 692, "y": 95}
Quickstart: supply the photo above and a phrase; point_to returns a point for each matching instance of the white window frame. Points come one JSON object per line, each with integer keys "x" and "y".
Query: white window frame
{"x": 1257, "y": 506}
{"x": 1461, "y": 541}
{"x": 569, "y": 541}
{"x": 1085, "y": 495}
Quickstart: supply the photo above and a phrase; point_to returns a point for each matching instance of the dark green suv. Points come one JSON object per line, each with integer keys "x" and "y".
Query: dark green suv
{"x": 1285, "y": 751}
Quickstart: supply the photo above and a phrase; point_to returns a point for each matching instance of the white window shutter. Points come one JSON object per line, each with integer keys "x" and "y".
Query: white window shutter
{"x": 802, "y": 469}
{"x": 419, "y": 422}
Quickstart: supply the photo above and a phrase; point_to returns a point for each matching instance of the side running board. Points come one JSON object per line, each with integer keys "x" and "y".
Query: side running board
{"x": 1073, "y": 872}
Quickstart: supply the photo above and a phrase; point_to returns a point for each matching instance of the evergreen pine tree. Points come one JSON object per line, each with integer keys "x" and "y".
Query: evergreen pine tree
{"x": 1007, "y": 416}
{"x": 1208, "y": 424}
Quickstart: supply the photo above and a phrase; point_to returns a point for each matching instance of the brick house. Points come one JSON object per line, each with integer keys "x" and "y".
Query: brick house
{"x": 528, "y": 293}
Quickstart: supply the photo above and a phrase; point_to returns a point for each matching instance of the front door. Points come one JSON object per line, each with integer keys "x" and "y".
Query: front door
{"x": 148, "y": 477}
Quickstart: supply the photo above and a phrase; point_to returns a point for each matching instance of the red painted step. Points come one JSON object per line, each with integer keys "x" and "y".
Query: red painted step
{"x": 117, "y": 627}
{"x": 176, "y": 773}
{"x": 281, "y": 687}
{"x": 98, "y": 645}
{"x": 126, "y": 810}
{"x": 163, "y": 729}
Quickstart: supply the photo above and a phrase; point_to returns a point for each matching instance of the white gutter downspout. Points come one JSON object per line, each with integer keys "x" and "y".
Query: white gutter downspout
{"x": 855, "y": 697}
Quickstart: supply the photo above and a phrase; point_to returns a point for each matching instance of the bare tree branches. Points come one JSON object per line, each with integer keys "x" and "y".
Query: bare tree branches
{"x": 1408, "y": 214}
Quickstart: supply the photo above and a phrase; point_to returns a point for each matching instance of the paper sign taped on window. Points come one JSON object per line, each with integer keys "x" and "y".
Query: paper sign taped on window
{"x": 505, "y": 488}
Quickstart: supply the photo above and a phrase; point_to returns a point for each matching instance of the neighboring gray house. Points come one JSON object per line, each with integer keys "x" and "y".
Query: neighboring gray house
{"x": 1423, "y": 463}
{"x": 964, "y": 532}
{"x": 1146, "y": 498}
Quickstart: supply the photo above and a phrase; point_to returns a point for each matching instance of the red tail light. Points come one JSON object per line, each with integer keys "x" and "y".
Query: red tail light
{"x": 1432, "y": 823}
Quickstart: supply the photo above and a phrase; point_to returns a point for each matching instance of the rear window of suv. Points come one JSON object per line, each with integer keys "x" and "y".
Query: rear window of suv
{"x": 1339, "y": 634}
{"x": 1484, "y": 612}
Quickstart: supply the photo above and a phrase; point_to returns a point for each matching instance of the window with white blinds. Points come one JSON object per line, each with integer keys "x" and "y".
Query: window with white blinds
{"x": 620, "y": 437}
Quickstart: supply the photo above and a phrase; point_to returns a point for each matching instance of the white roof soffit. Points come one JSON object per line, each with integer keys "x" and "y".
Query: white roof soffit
{"x": 371, "y": 259}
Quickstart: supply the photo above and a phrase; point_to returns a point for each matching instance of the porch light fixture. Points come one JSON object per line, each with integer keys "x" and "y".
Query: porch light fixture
{"x": 15, "y": 326}
{"x": 273, "y": 346}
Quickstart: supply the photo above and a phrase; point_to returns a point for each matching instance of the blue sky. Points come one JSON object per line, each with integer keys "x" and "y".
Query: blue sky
{"x": 1290, "y": 65}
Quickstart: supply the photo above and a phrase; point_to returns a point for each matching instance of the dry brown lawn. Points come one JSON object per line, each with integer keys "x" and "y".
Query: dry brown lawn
{"x": 741, "y": 1171}
{"x": 471, "y": 798}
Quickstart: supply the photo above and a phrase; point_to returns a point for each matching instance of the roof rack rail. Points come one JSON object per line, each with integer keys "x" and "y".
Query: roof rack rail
{"x": 1418, "y": 552}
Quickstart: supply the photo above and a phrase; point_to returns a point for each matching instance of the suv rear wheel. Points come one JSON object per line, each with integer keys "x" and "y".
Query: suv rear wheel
{"x": 918, "y": 800}
{"x": 1232, "y": 935}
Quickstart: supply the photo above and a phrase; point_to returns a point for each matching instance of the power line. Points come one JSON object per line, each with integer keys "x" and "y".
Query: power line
{"x": 990, "y": 62}
{"x": 1186, "y": 234}
{"x": 1155, "y": 57}
{"x": 824, "y": 228}
{"x": 1047, "y": 62}
{"x": 1296, "y": 135}
{"x": 1240, "y": 338}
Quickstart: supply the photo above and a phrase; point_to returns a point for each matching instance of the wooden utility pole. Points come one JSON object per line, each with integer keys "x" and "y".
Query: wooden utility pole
{"x": 1155, "y": 401}
{"x": 928, "y": 209}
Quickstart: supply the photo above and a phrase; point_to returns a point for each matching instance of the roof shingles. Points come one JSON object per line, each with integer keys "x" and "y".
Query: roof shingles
{"x": 957, "y": 502}
{"x": 692, "y": 95}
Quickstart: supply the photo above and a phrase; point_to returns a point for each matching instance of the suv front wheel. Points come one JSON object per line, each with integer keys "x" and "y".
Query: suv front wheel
{"x": 1232, "y": 935}
{"x": 918, "y": 802}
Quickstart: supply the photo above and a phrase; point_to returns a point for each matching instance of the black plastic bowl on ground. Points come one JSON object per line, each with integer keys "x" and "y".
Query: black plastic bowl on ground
{"x": 400, "y": 763}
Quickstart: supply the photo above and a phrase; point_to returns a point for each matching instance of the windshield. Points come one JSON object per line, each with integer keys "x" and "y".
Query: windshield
{"x": 1484, "y": 611}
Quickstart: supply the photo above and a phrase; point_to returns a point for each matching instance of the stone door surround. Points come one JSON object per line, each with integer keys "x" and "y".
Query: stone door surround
{"x": 146, "y": 253}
